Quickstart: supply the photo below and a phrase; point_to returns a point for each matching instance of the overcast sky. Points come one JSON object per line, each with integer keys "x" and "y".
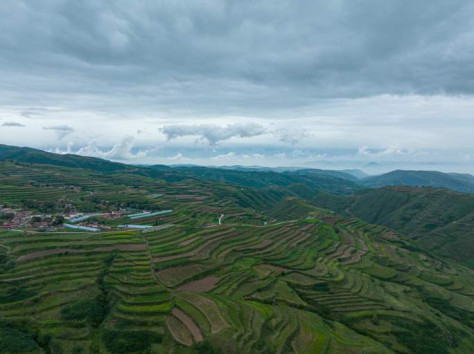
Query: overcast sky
{"x": 333, "y": 84}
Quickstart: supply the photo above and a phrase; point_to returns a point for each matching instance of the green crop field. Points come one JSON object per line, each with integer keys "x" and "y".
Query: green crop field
{"x": 233, "y": 269}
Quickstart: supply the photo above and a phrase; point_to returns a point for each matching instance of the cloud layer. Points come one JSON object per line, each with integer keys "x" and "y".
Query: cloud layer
{"x": 288, "y": 74}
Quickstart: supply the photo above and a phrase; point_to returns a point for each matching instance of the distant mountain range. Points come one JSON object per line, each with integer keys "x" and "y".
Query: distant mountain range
{"x": 454, "y": 181}
{"x": 335, "y": 181}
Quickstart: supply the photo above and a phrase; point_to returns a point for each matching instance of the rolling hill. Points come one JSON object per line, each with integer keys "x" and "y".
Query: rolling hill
{"x": 334, "y": 183}
{"x": 453, "y": 181}
{"x": 247, "y": 178}
{"x": 231, "y": 269}
{"x": 35, "y": 156}
{"x": 318, "y": 172}
{"x": 437, "y": 219}
{"x": 241, "y": 262}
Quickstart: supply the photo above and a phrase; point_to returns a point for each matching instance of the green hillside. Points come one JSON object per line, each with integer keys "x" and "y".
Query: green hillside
{"x": 453, "y": 181}
{"x": 231, "y": 269}
{"x": 338, "y": 183}
{"x": 29, "y": 155}
{"x": 318, "y": 172}
{"x": 437, "y": 219}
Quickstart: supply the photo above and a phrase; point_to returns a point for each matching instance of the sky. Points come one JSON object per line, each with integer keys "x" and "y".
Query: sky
{"x": 368, "y": 84}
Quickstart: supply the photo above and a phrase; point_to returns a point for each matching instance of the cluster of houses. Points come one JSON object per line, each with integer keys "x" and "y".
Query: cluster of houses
{"x": 15, "y": 219}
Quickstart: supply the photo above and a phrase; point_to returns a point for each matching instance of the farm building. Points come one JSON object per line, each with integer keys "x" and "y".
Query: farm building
{"x": 82, "y": 228}
{"x": 148, "y": 214}
{"x": 80, "y": 218}
{"x": 131, "y": 226}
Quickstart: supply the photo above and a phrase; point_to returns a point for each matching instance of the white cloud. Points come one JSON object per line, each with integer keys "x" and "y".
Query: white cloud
{"x": 384, "y": 152}
{"x": 122, "y": 151}
{"x": 229, "y": 155}
{"x": 178, "y": 157}
{"x": 213, "y": 133}
{"x": 68, "y": 150}
{"x": 61, "y": 130}
{"x": 292, "y": 135}
{"x": 253, "y": 156}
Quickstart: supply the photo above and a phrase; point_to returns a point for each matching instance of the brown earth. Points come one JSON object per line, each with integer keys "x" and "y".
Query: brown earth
{"x": 179, "y": 331}
{"x": 347, "y": 237}
{"x": 197, "y": 250}
{"x": 187, "y": 242}
{"x": 306, "y": 227}
{"x": 208, "y": 308}
{"x": 44, "y": 253}
{"x": 355, "y": 258}
{"x": 299, "y": 239}
{"x": 189, "y": 323}
{"x": 201, "y": 285}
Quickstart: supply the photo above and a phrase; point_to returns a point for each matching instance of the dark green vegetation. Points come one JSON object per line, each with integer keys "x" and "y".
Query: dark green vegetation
{"x": 281, "y": 274}
{"x": 341, "y": 184}
{"x": 437, "y": 220}
{"x": 336, "y": 182}
{"x": 454, "y": 181}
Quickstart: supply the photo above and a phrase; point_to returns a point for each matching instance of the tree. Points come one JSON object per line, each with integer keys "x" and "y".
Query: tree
{"x": 58, "y": 220}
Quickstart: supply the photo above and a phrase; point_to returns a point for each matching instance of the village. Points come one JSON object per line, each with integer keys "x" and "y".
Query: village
{"x": 16, "y": 219}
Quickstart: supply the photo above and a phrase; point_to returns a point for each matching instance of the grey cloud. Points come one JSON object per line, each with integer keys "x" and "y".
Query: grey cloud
{"x": 213, "y": 133}
{"x": 350, "y": 70}
{"x": 292, "y": 135}
{"x": 13, "y": 124}
{"x": 33, "y": 112}
{"x": 242, "y": 55}
{"x": 60, "y": 130}
{"x": 29, "y": 114}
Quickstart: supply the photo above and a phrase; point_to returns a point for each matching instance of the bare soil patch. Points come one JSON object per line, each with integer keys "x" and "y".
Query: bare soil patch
{"x": 45, "y": 253}
{"x": 189, "y": 323}
{"x": 347, "y": 237}
{"x": 41, "y": 254}
{"x": 129, "y": 247}
{"x": 257, "y": 246}
{"x": 214, "y": 242}
{"x": 355, "y": 258}
{"x": 176, "y": 275}
{"x": 390, "y": 236}
{"x": 208, "y": 308}
{"x": 307, "y": 227}
{"x": 302, "y": 237}
{"x": 179, "y": 331}
{"x": 330, "y": 220}
{"x": 201, "y": 285}
{"x": 187, "y": 242}
{"x": 347, "y": 253}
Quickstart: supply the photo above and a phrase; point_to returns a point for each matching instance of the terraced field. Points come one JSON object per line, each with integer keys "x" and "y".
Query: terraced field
{"x": 278, "y": 275}
{"x": 319, "y": 284}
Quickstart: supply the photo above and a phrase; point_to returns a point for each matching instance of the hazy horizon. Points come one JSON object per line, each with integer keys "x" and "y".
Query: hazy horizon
{"x": 373, "y": 86}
